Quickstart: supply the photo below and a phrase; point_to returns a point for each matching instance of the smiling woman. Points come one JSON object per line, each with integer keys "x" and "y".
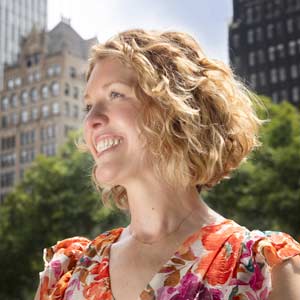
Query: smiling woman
{"x": 163, "y": 122}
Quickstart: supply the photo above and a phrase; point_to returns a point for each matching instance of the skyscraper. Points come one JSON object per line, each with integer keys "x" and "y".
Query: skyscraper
{"x": 41, "y": 99}
{"x": 17, "y": 17}
{"x": 264, "y": 47}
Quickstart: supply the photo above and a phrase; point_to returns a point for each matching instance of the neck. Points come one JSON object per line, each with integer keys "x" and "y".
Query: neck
{"x": 157, "y": 211}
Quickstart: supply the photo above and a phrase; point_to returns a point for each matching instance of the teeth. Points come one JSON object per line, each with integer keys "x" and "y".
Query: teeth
{"x": 105, "y": 144}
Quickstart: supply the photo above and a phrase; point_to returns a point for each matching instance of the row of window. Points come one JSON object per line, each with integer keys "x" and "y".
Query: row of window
{"x": 35, "y": 94}
{"x": 7, "y": 179}
{"x": 8, "y": 142}
{"x": 35, "y": 76}
{"x": 26, "y": 116}
{"x": 278, "y": 96}
{"x": 13, "y": 100}
{"x": 26, "y": 155}
{"x": 259, "y": 34}
{"x": 271, "y": 9}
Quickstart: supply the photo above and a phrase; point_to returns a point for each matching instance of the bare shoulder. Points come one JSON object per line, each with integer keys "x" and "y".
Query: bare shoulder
{"x": 285, "y": 280}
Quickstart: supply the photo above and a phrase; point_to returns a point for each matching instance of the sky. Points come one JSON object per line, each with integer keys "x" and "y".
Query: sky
{"x": 206, "y": 20}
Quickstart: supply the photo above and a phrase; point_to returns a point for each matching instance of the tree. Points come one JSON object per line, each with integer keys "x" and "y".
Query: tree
{"x": 264, "y": 192}
{"x": 55, "y": 200}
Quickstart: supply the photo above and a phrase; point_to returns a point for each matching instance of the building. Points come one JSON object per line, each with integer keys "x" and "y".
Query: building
{"x": 41, "y": 99}
{"x": 16, "y": 20}
{"x": 264, "y": 47}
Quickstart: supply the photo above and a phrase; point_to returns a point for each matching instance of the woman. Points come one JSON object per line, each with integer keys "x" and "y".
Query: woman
{"x": 164, "y": 121}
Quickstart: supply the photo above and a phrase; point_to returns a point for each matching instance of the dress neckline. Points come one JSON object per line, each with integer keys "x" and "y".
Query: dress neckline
{"x": 188, "y": 241}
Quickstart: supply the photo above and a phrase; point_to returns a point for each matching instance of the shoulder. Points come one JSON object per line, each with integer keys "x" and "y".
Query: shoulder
{"x": 61, "y": 260}
{"x": 266, "y": 258}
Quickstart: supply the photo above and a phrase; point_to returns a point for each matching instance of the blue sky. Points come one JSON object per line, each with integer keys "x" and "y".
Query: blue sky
{"x": 206, "y": 20}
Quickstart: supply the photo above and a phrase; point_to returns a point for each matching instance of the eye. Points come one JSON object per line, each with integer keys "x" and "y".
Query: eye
{"x": 114, "y": 95}
{"x": 87, "y": 108}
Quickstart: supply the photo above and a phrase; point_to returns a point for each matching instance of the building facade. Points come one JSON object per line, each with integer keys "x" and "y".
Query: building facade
{"x": 264, "y": 47}
{"x": 41, "y": 100}
{"x": 16, "y": 20}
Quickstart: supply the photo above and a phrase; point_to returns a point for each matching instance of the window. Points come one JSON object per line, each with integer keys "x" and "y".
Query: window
{"x": 34, "y": 95}
{"x": 10, "y": 84}
{"x": 270, "y": 31}
{"x": 261, "y": 56}
{"x": 75, "y": 92}
{"x": 283, "y": 95}
{"x": 27, "y": 137}
{"x": 259, "y": 34}
{"x": 251, "y": 59}
{"x": 8, "y": 159}
{"x": 72, "y": 71}
{"x": 279, "y": 29}
{"x": 295, "y": 94}
{"x": 4, "y": 103}
{"x": 249, "y": 15}
{"x": 273, "y": 75}
{"x": 34, "y": 113}
{"x": 236, "y": 40}
{"x": 24, "y": 116}
{"x": 14, "y": 100}
{"x": 4, "y": 121}
{"x": 30, "y": 78}
{"x": 57, "y": 69}
{"x": 294, "y": 71}
{"x": 55, "y": 88}
{"x": 48, "y": 149}
{"x": 27, "y": 155}
{"x": 45, "y": 91}
{"x": 15, "y": 118}
{"x": 280, "y": 49}
{"x": 75, "y": 111}
{"x": 275, "y": 97}
{"x": 67, "y": 89}
{"x": 24, "y": 98}
{"x": 250, "y": 36}
{"x": 55, "y": 108}
{"x": 282, "y": 74}
{"x": 253, "y": 80}
{"x": 8, "y": 142}
{"x": 290, "y": 25}
{"x": 7, "y": 179}
{"x": 271, "y": 52}
{"x": 50, "y": 71}
{"x": 292, "y": 47}
{"x": 18, "y": 81}
{"x": 67, "y": 109}
{"x": 37, "y": 75}
{"x": 262, "y": 78}
{"x": 45, "y": 111}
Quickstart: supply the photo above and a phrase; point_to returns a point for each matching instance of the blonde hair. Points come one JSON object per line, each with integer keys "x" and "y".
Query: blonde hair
{"x": 198, "y": 119}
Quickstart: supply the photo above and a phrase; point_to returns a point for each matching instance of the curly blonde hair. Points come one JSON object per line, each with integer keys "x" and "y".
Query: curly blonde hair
{"x": 198, "y": 119}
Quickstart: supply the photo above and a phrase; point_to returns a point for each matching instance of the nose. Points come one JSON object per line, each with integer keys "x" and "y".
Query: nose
{"x": 96, "y": 118}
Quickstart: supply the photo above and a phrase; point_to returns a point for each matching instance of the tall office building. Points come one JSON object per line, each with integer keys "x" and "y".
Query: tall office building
{"x": 264, "y": 47}
{"x": 41, "y": 99}
{"x": 16, "y": 20}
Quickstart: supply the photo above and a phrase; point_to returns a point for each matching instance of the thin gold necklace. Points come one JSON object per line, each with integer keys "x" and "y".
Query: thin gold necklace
{"x": 165, "y": 236}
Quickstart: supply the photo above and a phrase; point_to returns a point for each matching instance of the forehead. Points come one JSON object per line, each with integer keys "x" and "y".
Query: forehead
{"x": 111, "y": 69}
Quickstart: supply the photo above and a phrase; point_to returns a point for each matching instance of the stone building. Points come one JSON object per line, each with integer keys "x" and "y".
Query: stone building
{"x": 41, "y": 100}
{"x": 264, "y": 47}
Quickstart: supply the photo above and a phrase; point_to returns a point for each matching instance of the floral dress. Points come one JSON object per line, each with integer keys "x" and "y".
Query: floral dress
{"x": 220, "y": 261}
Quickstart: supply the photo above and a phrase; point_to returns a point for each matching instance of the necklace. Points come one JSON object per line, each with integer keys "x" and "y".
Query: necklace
{"x": 165, "y": 236}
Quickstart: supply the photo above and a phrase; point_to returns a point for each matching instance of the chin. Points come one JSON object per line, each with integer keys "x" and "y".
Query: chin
{"x": 105, "y": 178}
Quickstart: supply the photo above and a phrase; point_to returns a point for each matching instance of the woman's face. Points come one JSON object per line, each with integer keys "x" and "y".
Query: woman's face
{"x": 112, "y": 110}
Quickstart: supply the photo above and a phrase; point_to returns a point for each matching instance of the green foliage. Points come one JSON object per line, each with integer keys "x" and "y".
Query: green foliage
{"x": 55, "y": 200}
{"x": 264, "y": 193}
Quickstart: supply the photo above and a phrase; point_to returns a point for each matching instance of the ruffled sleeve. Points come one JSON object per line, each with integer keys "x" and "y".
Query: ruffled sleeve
{"x": 261, "y": 251}
{"x": 60, "y": 261}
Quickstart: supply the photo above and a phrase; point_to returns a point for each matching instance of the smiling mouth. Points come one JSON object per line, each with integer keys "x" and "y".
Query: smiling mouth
{"x": 98, "y": 154}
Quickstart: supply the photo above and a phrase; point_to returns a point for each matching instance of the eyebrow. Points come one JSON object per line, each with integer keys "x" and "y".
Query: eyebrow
{"x": 107, "y": 85}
